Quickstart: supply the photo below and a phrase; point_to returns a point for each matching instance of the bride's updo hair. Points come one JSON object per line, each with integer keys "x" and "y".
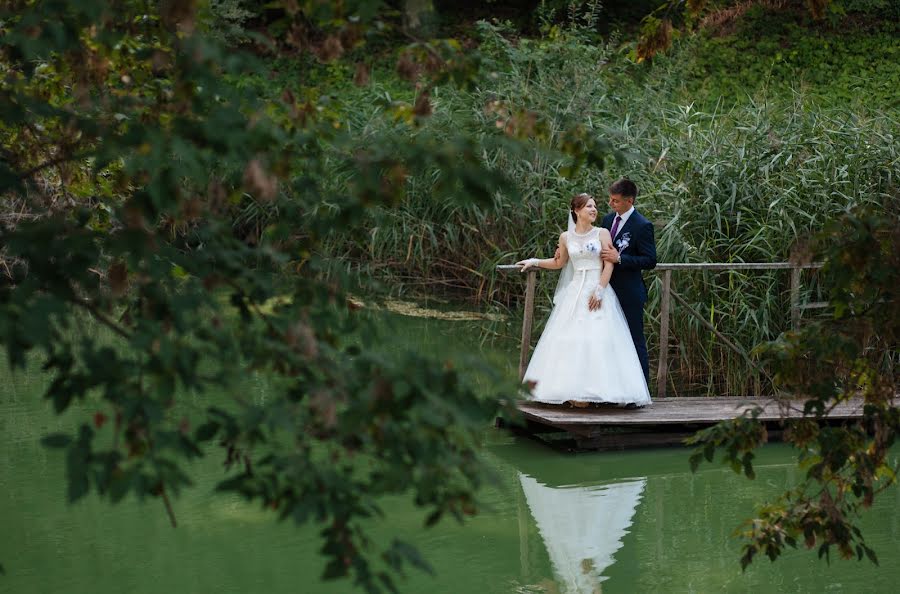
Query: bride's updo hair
{"x": 578, "y": 202}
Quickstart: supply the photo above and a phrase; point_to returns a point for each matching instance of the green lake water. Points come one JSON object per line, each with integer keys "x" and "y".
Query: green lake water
{"x": 635, "y": 521}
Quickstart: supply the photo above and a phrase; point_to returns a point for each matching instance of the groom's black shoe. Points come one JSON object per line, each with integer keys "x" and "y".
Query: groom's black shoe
{"x": 633, "y": 406}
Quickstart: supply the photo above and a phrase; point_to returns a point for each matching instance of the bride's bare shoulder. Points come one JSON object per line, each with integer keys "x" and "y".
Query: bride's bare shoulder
{"x": 604, "y": 232}
{"x": 563, "y": 236}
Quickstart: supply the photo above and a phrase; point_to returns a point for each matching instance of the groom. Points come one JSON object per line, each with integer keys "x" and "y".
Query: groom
{"x": 634, "y": 250}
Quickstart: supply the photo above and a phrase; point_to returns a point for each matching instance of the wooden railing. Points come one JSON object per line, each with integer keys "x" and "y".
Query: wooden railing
{"x": 666, "y": 269}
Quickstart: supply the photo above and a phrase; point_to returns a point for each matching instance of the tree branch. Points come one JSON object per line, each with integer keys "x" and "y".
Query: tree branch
{"x": 90, "y": 307}
{"x": 51, "y": 163}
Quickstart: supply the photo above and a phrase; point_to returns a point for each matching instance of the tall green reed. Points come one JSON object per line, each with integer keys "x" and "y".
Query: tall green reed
{"x": 739, "y": 183}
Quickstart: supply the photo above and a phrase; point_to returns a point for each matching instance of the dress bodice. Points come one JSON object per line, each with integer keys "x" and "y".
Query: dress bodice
{"x": 584, "y": 249}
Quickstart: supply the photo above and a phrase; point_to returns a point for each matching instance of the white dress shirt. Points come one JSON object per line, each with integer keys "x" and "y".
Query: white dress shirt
{"x": 624, "y": 218}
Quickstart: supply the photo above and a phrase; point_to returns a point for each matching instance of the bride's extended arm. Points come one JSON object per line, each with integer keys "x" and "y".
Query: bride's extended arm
{"x": 558, "y": 261}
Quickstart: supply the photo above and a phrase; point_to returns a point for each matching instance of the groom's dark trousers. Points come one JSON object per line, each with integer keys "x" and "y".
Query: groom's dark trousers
{"x": 639, "y": 254}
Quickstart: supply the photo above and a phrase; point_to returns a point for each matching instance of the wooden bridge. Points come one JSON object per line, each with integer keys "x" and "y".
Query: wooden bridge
{"x": 668, "y": 420}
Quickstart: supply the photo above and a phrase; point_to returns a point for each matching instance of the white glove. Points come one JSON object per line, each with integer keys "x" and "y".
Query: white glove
{"x": 529, "y": 263}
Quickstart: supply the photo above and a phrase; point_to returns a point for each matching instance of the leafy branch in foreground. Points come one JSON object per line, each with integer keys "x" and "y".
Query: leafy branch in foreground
{"x": 851, "y": 354}
{"x": 133, "y": 145}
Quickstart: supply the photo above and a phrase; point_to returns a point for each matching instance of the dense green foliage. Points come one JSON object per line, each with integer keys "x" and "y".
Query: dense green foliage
{"x": 851, "y": 353}
{"x": 765, "y": 56}
{"x": 738, "y": 183}
{"x": 673, "y": 18}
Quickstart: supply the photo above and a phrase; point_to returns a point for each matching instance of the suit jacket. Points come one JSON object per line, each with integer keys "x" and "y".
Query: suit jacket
{"x": 637, "y": 246}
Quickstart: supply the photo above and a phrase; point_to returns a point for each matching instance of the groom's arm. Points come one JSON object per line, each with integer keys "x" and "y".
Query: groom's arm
{"x": 644, "y": 256}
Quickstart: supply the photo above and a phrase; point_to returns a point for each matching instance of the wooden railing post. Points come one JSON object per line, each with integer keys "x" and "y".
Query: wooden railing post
{"x": 795, "y": 298}
{"x": 662, "y": 372}
{"x": 526, "y": 322}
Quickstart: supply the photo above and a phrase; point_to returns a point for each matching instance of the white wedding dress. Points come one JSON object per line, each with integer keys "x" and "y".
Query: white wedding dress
{"x": 585, "y": 355}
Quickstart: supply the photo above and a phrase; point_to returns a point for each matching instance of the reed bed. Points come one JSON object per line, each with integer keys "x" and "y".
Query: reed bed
{"x": 739, "y": 183}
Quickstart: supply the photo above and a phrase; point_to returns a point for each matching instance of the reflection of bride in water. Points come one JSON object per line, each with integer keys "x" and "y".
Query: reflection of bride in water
{"x": 582, "y": 527}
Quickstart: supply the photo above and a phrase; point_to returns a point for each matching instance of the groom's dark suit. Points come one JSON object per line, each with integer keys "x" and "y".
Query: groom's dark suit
{"x": 637, "y": 247}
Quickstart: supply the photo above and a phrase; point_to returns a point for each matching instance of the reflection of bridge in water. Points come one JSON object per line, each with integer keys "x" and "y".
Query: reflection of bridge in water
{"x": 668, "y": 420}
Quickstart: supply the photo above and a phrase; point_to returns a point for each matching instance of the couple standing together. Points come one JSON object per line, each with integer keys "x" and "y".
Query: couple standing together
{"x": 593, "y": 347}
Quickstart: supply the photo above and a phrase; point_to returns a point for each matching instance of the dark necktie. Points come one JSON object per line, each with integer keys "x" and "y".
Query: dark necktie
{"x": 615, "y": 226}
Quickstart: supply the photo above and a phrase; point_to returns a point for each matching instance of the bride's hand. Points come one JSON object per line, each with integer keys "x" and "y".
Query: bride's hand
{"x": 596, "y": 300}
{"x": 529, "y": 263}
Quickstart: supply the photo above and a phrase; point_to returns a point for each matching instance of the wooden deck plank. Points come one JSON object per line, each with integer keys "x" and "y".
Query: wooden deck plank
{"x": 666, "y": 422}
{"x": 675, "y": 411}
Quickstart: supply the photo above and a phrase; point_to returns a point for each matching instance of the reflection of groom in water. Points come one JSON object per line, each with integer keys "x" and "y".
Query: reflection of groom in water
{"x": 634, "y": 250}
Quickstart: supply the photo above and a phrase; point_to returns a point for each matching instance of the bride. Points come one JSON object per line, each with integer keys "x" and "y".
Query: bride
{"x": 585, "y": 353}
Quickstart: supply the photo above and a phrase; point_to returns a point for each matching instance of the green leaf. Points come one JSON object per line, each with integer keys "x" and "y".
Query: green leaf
{"x": 78, "y": 486}
{"x": 78, "y": 464}
{"x": 748, "y": 465}
{"x": 412, "y": 555}
{"x": 433, "y": 518}
{"x": 870, "y": 553}
{"x": 56, "y": 440}
{"x": 387, "y": 582}
{"x": 62, "y": 397}
{"x": 334, "y": 569}
{"x": 120, "y": 485}
{"x": 695, "y": 460}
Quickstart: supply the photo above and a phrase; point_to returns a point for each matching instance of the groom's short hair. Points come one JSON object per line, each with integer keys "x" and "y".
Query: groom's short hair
{"x": 624, "y": 187}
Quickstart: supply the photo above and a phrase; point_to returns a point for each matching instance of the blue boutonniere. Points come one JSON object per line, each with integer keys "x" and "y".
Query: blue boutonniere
{"x": 624, "y": 241}
{"x": 592, "y": 247}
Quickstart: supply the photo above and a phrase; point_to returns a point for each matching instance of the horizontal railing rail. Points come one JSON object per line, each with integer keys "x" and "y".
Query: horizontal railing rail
{"x": 666, "y": 269}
